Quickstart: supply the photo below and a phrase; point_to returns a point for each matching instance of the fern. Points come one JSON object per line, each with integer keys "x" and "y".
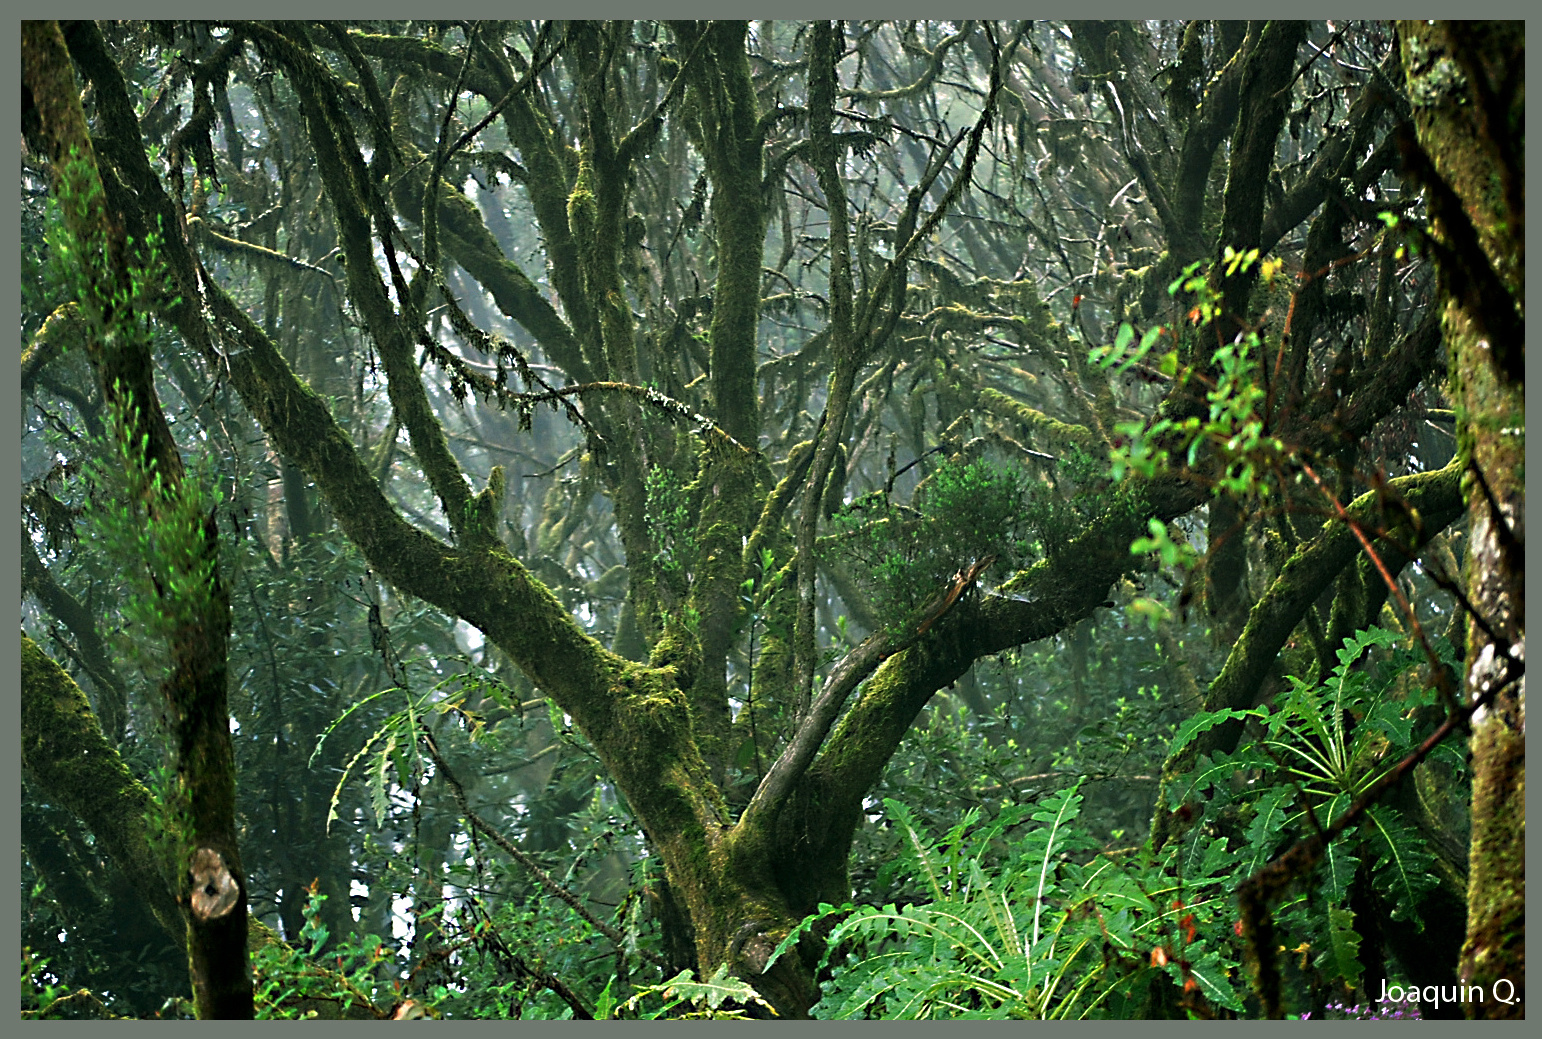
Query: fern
{"x": 1323, "y": 745}
{"x": 1046, "y": 936}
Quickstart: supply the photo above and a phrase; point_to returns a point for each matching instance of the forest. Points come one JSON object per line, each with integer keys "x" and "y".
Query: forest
{"x": 772, "y": 520}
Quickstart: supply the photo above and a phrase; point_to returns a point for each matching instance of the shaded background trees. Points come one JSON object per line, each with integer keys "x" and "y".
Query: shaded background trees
{"x": 784, "y": 362}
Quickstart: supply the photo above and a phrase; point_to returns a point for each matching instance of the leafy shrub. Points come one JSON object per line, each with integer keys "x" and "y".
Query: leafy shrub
{"x": 1321, "y": 746}
{"x": 292, "y": 985}
{"x": 961, "y": 513}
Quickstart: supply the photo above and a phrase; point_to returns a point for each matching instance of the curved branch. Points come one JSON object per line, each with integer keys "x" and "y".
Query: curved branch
{"x": 927, "y": 76}
{"x": 343, "y": 171}
{"x": 1336, "y": 158}
{"x": 64, "y": 328}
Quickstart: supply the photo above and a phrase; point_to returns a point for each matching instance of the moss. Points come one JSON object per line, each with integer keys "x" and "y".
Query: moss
{"x": 724, "y": 105}
{"x": 1495, "y": 946}
{"x": 679, "y": 651}
{"x": 70, "y": 762}
{"x": 1061, "y": 434}
{"x": 583, "y": 212}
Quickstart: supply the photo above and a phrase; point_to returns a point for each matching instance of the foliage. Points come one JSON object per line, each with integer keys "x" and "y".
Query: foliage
{"x": 40, "y": 987}
{"x": 1319, "y": 747}
{"x": 391, "y": 754}
{"x": 962, "y": 513}
{"x": 1057, "y": 932}
{"x": 81, "y": 270}
{"x": 290, "y": 978}
{"x": 1007, "y": 922}
{"x": 669, "y": 521}
{"x": 168, "y": 819}
{"x": 1232, "y": 432}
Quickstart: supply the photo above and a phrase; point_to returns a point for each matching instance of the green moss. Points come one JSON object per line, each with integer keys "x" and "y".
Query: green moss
{"x": 1058, "y": 433}
{"x": 678, "y": 650}
{"x": 583, "y": 211}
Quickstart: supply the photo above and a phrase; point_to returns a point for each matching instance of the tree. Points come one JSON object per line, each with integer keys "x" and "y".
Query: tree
{"x": 1467, "y": 84}
{"x": 760, "y": 382}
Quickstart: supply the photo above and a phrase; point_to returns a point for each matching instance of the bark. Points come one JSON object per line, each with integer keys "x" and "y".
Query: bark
{"x": 729, "y": 116}
{"x": 1266, "y": 73}
{"x": 1467, "y": 84}
{"x": 1226, "y": 565}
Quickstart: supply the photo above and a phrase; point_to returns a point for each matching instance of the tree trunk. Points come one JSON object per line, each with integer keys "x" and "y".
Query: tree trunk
{"x": 1467, "y": 84}
{"x": 191, "y": 607}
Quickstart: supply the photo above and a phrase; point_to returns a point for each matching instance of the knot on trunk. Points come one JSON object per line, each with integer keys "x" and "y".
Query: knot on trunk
{"x": 753, "y": 946}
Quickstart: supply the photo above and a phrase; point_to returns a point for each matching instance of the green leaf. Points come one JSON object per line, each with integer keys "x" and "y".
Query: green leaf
{"x": 1339, "y": 864}
{"x": 1341, "y": 959}
{"x": 1123, "y": 338}
{"x": 1405, "y": 868}
{"x": 380, "y": 798}
{"x": 1205, "y": 721}
{"x": 1213, "y": 973}
{"x": 1271, "y": 813}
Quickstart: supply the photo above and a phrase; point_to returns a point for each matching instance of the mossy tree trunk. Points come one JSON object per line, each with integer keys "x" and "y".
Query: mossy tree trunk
{"x": 191, "y": 607}
{"x": 1466, "y": 81}
{"x": 66, "y": 756}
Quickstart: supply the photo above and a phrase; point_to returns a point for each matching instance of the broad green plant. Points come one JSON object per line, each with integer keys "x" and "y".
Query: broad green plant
{"x": 1320, "y": 746}
{"x": 1061, "y": 931}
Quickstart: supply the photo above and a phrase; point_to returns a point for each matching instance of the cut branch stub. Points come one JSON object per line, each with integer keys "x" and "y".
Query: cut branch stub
{"x": 215, "y": 889}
